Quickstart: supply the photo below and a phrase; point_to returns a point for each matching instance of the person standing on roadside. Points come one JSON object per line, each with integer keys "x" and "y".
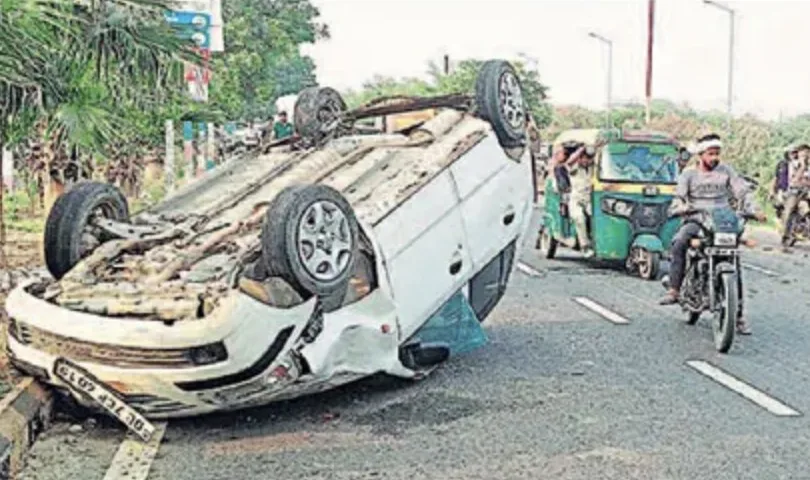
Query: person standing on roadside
{"x": 282, "y": 128}
{"x": 797, "y": 179}
{"x": 781, "y": 179}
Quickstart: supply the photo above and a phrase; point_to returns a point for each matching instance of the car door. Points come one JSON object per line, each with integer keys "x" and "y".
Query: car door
{"x": 426, "y": 251}
{"x": 496, "y": 195}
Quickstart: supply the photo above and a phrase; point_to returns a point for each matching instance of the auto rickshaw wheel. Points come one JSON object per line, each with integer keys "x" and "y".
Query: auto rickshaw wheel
{"x": 648, "y": 264}
{"x": 546, "y": 243}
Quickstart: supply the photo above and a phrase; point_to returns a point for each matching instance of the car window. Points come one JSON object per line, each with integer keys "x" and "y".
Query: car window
{"x": 638, "y": 164}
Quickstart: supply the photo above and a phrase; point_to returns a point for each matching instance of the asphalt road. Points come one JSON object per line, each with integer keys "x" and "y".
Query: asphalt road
{"x": 559, "y": 392}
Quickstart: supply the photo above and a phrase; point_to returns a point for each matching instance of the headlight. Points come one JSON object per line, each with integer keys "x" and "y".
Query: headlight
{"x": 725, "y": 240}
{"x": 618, "y": 207}
{"x": 208, "y": 354}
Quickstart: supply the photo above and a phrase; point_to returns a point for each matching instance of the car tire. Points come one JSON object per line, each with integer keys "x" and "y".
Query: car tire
{"x": 66, "y": 229}
{"x": 305, "y": 221}
{"x": 499, "y": 100}
{"x": 316, "y": 108}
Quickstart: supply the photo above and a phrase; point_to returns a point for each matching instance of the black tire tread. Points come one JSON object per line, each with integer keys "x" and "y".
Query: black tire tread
{"x": 729, "y": 291}
{"x": 488, "y": 102}
{"x": 66, "y": 221}
{"x": 305, "y": 111}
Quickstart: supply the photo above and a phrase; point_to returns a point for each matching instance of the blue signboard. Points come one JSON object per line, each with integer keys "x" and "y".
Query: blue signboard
{"x": 193, "y": 19}
{"x": 192, "y": 25}
{"x": 201, "y": 38}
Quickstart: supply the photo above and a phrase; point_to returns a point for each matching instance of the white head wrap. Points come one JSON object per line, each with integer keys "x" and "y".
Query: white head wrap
{"x": 707, "y": 144}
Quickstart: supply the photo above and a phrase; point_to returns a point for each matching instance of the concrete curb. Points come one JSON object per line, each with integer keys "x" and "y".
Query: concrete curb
{"x": 24, "y": 413}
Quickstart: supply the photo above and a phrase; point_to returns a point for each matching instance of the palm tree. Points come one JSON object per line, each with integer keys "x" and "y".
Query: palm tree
{"x": 70, "y": 69}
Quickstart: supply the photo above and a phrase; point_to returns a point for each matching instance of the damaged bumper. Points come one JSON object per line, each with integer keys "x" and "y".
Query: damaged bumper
{"x": 245, "y": 353}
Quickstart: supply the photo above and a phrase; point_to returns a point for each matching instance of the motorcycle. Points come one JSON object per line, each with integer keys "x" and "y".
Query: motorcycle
{"x": 798, "y": 227}
{"x": 712, "y": 281}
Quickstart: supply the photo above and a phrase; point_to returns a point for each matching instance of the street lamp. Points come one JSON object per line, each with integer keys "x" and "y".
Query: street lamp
{"x": 730, "y": 11}
{"x": 609, "y": 72}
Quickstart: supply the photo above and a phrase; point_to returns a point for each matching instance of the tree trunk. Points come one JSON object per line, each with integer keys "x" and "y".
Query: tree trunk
{"x": 52, "y": 187}
{"x": 3, "y": 259}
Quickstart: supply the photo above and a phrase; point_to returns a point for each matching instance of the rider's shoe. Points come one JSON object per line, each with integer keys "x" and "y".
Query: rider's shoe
{"x": 588, "y": 253}
{"x": 671, "y": 298}
{"x": 743, "y": 328}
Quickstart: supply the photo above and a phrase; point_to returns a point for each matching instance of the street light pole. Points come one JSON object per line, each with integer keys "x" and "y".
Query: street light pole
{"x": 731, "y": 12}
{"x": 609, "y": 73}
{"x": 648, "y": 89}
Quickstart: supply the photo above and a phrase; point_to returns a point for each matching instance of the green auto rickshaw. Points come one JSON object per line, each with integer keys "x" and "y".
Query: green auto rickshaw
{"x": 633, "y": 182}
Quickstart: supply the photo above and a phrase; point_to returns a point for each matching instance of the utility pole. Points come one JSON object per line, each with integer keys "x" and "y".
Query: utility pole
{"x": 447, "y": 64}
{"x": 650, "y": 25}
{"x": 609, "y": 43}
{"x": 168, "y": 164}
{"x": 731, "y": 12}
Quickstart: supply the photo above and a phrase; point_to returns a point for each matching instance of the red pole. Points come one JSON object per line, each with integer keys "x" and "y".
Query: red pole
{"x": 650, "y": 24}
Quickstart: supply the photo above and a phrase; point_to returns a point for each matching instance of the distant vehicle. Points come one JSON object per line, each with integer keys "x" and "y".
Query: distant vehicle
{"x": 633, "y": 183}
{"x": 322, "y": 262}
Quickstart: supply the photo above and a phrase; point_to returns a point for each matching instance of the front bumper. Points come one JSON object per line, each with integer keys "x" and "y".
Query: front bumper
{"x": 356, "y": 341}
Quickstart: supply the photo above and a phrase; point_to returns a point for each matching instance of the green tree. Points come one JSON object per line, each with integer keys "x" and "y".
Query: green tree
{"x": 68, "y": 69}
{"x": 263, "y": 61}
{"x": 460, "y": 80}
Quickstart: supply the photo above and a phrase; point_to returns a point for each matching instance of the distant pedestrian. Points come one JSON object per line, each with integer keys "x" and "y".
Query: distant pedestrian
{"x": 781, "y": 179}
{"x": 282, "y": 128}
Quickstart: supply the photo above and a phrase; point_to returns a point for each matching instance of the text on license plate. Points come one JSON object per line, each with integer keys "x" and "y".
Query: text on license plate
{"x": 84, "y": 383}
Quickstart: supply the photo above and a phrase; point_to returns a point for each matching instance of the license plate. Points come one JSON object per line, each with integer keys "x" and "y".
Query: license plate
{"x": 723, "y": 252}
{"x": 87, "y": 385}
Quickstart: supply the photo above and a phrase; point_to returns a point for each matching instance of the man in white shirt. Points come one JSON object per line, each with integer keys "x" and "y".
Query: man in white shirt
{"x": 797, "y": 180}
{"x": 579, "y": 203}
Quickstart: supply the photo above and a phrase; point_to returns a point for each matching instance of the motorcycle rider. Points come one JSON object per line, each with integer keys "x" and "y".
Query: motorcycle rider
{"x": 797, "y": 179}
{"x": 707, "y": 186}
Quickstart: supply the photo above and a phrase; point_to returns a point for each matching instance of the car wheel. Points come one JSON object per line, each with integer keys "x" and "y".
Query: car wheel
{"x": 69, "y": 231}
{"x": 310, "y": 239}
{"x": 317, "y": 112}
{"x": 499, "y": 98}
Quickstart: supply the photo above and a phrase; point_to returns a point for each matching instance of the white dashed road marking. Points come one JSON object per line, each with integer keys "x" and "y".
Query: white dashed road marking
{"x": 528, "y": 270}
{"x": 134, "y": 458}
{"x": 604, "y": 312}
{"x": 758, "y": 397}
{"x": 759, "y": 269}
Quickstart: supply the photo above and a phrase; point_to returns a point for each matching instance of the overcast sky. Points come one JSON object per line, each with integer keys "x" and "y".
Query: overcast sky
{"x": 398, "y": 37}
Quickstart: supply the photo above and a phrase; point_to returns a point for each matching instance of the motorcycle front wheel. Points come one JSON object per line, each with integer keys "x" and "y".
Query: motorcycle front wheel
{"x": 725, "y": 318}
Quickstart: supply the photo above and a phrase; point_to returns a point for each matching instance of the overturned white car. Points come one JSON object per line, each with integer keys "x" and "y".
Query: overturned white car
{"x": 287, "y": 273}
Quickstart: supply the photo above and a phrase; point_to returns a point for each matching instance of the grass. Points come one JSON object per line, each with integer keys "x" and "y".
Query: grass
{"x": 19, "y": 213}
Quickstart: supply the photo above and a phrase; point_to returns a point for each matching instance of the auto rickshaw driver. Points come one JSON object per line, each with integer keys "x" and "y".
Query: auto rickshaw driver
{"x": 579, "y": 203}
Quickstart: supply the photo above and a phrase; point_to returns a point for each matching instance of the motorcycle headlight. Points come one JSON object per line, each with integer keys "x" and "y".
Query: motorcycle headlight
{"x": 208, "y": 354}
{"x": 617, "y": 207}
{"x": 725, "y": 240}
